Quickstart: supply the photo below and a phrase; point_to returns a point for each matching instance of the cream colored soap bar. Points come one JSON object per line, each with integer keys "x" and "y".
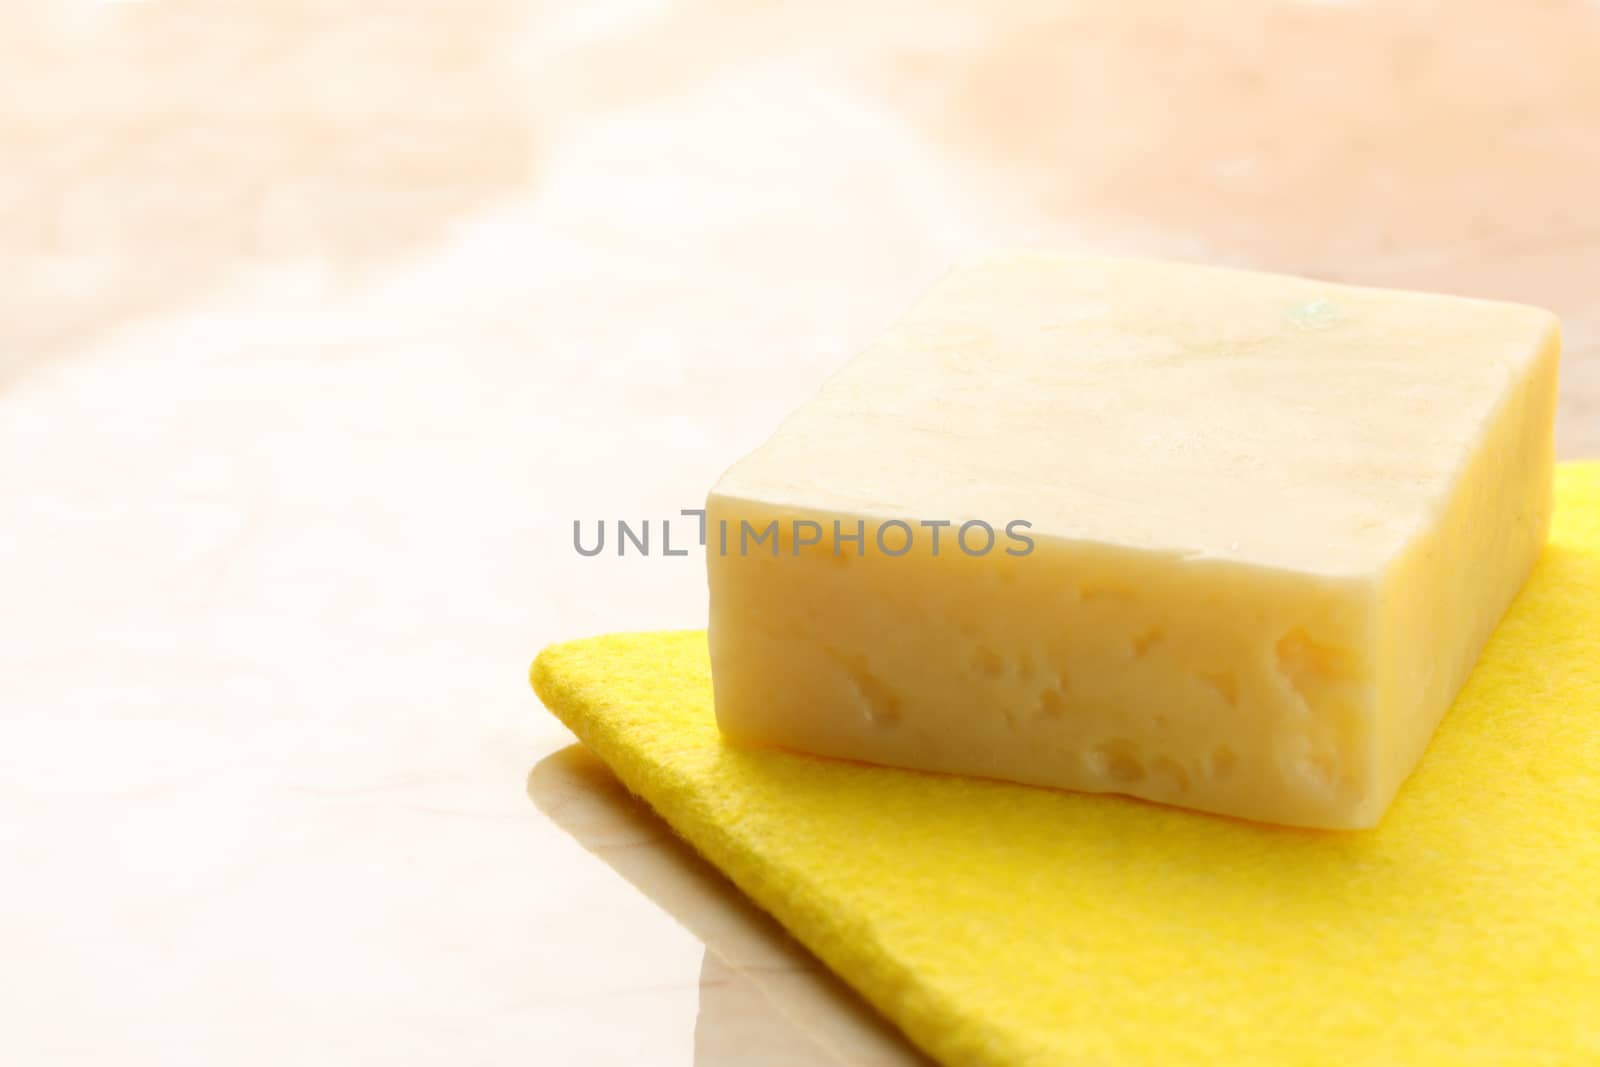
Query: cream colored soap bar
{"x": 1219, "y": 539}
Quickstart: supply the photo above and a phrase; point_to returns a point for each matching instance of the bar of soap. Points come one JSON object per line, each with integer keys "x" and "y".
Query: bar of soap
{"x": 1213, "y": 538}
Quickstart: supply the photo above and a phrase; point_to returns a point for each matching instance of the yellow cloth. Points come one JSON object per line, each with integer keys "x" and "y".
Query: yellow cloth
{"x": 1001, "y": 924}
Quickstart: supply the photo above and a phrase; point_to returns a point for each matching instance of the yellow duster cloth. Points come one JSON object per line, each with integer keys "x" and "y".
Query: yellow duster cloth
{"x": 1002, "y": 924}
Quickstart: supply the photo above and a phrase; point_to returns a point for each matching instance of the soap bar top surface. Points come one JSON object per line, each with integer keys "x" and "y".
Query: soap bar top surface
{"x": 1201, "y": 411}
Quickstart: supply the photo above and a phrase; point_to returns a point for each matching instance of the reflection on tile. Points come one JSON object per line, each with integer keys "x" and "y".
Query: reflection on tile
{"x": 162, "y": 147}
{"x": 764, "y": 1000}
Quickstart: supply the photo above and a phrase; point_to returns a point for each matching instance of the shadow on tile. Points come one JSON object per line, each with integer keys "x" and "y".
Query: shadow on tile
{"x": 760, "y": 991}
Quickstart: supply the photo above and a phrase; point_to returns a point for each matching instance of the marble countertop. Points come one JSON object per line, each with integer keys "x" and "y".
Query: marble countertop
{"x": 322, "y": 323}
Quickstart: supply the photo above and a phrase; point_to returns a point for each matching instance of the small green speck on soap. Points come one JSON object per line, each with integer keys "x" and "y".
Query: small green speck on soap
{"x": 1316, "y": 314}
